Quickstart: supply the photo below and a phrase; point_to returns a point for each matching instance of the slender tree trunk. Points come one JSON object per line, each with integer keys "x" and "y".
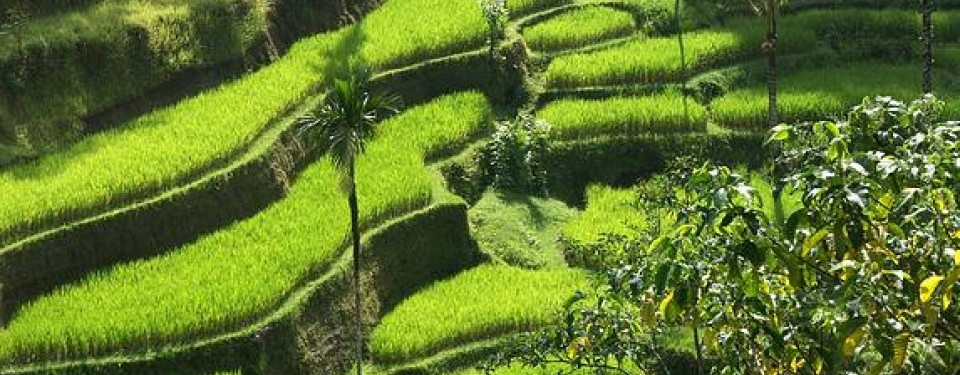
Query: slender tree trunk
{"x": 697, "y": 342}
{"x": 683, "y": 56}
{"x": 772, "y": 10}
{"x": 355, "y": 230}
{"x": 927, "y": 38}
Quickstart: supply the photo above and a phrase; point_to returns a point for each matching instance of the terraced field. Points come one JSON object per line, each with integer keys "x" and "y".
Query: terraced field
{"x": 255, "y": 282}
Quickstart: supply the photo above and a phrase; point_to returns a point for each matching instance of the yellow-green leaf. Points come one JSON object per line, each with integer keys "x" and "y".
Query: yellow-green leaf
{"x": 956, "y": 256}
{"x": 900, "y": 345}
{"x": 710, "y": 340}
{"x": 877, "y": 368}
{"x": 928, "y": 286}
{"x": 852, "y": 342}
{"x": 810, "y": 242}
{"x": 665, "y": 303}
{"x": 576, "y": 346}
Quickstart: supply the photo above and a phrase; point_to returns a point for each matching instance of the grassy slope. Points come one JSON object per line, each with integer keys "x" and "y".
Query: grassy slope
{"x": 579, "y": 28}
{"x": 655, "y": 114}
{"x": 223, "y": 280}
{"x": 162, "y": 148}
{"x": 658, "y": 59}
{"x": 520, "y": 230}
{"x": 481, "y": 303}
{"x": 818, "y": 94}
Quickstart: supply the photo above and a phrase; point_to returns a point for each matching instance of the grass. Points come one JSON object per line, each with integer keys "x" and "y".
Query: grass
{"x": 481, "y": 303}
{"x": 106, "y": 20}
{"x": 609, "y": 210}
{"x": 660, "y": 113}
{"x": 550, "y": 369}
{"x": 520, "y": 230}
{"x": 165, "y": 147}
{"x": 624, "y": 211}
{"x": 578, "y": 28}
{"x": 854, "y": 33}
{"x": 522, "y": 7}
{"x": 226, "y": 279}
{"x": 658, "y": 59}
{"x": 820, "y": 94}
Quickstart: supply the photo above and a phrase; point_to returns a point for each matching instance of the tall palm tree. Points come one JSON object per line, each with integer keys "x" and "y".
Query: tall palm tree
{"x": 343, "y": 124}
{"x": 926, "y": 35}
{"x": 678, "y": 14}
{"x": 772, "y": 9}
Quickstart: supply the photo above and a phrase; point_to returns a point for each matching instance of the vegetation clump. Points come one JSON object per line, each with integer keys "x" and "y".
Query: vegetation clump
{"x": 860, "y": 278}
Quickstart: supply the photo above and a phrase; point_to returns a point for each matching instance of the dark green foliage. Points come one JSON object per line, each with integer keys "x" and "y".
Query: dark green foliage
{"x": 516, "y": 155}
{"x": 861, "y": 279}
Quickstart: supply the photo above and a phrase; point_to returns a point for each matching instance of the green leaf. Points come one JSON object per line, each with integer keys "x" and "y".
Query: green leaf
{"x": 810, "y": 242}
{"x": 833, "y": 129}
{"x": 852, "y": 342}
{"x": 780, "y": 133}
{"x": 665, "y": 303}
{"x": 662, "y": 277}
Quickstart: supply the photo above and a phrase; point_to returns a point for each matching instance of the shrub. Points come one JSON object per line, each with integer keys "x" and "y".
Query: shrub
{"x": 860, "y": 279}
{"x": 513, "y": 158}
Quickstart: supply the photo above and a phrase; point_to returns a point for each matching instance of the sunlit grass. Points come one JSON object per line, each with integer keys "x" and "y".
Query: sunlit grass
{"x": 820, "y": 94}
{"x": 227, "y": 278}
{"x": 161, "y": 149}
{"x": 623, "y": 116}
{"x": 578, "y": 28}
{"x": 482, "y": 303}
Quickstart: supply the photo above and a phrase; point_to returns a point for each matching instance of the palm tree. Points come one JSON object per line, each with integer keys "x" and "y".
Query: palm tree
{"x": 678, "y": 14}
{"x": 771, "y": 8}
{"x": 926, "y": 35}
{"x": 343, "y": 124}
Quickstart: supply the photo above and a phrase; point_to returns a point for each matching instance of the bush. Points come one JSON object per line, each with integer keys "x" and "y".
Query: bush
{"x": 513, "y": 159}
{"x": 860, "y": 279}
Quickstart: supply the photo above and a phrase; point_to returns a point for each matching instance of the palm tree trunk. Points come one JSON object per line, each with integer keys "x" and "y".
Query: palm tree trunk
{"x": 683, "y": 57}
{"x": 772, "y": 36}
{"x": 927, "y": 37}
{"x": 355, "y": 230}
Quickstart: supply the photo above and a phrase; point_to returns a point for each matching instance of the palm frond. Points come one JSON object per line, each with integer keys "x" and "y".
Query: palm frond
{"x": 348, "y": 116}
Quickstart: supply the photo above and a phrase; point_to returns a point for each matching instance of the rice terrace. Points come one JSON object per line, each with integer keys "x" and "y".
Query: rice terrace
{"x": 475, "y": 187}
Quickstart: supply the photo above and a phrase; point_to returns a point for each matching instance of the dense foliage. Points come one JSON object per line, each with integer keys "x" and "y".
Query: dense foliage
{"x": 861, "y": 279}
{"x": 513, "y": 159}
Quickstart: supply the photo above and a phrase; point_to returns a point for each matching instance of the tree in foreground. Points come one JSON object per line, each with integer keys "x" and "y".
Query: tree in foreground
{"x": 860, "y": 279}
{"x": 342, "y": 125}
